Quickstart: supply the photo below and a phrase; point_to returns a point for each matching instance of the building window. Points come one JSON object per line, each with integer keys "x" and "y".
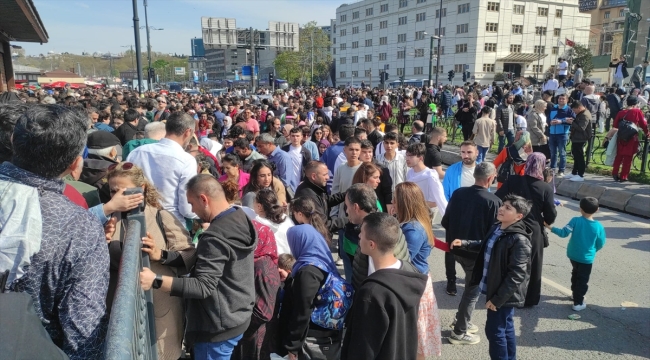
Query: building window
{"x": 490, "y": 47}
{"x": 444, "y": 13}
{"x": 558, "y": 13}
{"x": 420, "y": 17}
{"x": 439, "y": 71}
{"x": 355, "y": 30}
{"x": 418, "y": 70}
{"x": 368, "y": 27}
{"x": 383, "y": 24}
{"x": 442, "y": 31}
{"x": 519, "y": 9}
{"x": 369, "y": 11}
{"x": 463, "y": 8}
{"x": 515, "y": 48}
{"x": 383, "y": 40}
{"x": 383, "y": 8}
{"x": 401, "y": 54}
{"x": 355, "y": 15}
{"x": 421, "y": 1}
{"x": 542, "y": 11}
{"x": 621, "y": 13}
{"x": 403, "y": 3}
{"x": 368, "y": 73}
{"x": 343, "y": 46}
{"x": 517, "y": 29}
{"x": 556, "y": 32}
{"x": 607, "y": 14}
{"x": 334, "y": 51}
{"x": 419, "y": 35}
{"x": 368, "y": 58}
{"x": 488, "y": 68}
{"x": 368, "y": 42}
{"x": 334, "y": 41}
{"x": 493, "y": 6}
{"x": 555, "y": 50}
{"x": 401, "y": 38}
{"x": 540, "y": 50}
{"x": 355, "y": 74}
{"x": 342, "y": 74}
{"x": 538, "y": 68}
{"x": 462, "y": 28}
{"x": 491, "y": 27}
{"x": 344, "y": 18}
{"x": 355, "y": 59}
{"x": 401, "y": 20}
{"x": 355, "y": 44}
{"x": 540, "y": 30}
{"x": 342, "y": 60}
{"x": 382, "y": 56}
{"x": 343, "y": 32}
{"x": 442, "y": 50}
{"x": 461, "y": 48}
{"x": 419, "y": 52}
{"x": 459, "y": 68}
{"x": 400, "y": 71}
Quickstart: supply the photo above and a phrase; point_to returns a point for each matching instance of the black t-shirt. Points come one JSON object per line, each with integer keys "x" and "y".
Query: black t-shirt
{"x": 432, "y": 157}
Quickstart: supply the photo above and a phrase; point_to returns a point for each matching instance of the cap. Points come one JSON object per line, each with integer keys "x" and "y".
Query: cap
{"x": 101, "y": 140}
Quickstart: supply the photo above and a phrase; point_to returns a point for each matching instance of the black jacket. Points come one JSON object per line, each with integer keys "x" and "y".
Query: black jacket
{"x": 385, "y": 189}
{"x": 623, "y": 69}
{"x": 470, "y": 214}
{"x": 94, "y": 173}
{"x": 581, "y": 127}
{"x": 126, "y": 132}
{"x": 507, "y": 275}
{"x": 324, "y": 202}
{"x": 382, "y": 323}
{"x": 503, "y": 116}
{"x": 375, "y": 137}
{"x": 468, "y": 117}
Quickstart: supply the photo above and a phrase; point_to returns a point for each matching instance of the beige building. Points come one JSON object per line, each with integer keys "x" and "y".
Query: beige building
{"x": 607, "y": 25}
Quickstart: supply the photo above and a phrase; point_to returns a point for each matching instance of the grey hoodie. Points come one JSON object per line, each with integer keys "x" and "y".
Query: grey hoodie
{"x": 591, "y": 102}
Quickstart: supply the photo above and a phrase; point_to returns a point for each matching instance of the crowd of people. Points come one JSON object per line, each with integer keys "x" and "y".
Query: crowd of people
{"x": 245, "y": 202}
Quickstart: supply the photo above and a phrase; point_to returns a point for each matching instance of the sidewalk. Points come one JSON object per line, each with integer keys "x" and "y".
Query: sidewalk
{"x": 629, "y": 197}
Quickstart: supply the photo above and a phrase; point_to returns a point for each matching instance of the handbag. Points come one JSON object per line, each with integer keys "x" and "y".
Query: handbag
{"x": 626, "y": 129}
{"x": 506, "y": 169}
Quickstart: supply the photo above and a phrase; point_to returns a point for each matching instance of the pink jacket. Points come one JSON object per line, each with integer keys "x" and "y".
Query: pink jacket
{"x": 243, "y": 180}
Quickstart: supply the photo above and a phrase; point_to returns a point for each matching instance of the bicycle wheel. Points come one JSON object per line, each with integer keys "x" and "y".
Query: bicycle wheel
{"x": 603, "y": 157}
{"x": 636, "y": 162}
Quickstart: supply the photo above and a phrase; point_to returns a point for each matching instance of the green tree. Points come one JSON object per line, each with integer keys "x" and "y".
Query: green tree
{"x": 159, "y": 64}
{"x": 582, "y": 55}
{"x": 288, "y": 66}
{"x": 314, "y": 45}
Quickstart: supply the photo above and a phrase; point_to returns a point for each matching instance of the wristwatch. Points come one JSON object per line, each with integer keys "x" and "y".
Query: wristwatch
{"x": 157, "y": 282}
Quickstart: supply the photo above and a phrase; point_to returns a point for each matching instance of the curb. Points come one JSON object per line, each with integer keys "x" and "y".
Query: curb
{"x": 620, "y": 200}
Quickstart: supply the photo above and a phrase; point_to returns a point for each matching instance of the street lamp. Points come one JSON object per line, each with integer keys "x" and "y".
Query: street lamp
{"x": 431, "y": 57}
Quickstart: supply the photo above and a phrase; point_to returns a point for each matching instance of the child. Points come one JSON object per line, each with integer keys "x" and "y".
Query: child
{"x": 587, "y": 237}
{"x": 504, "y": 257}
{"x": 285, "y": 264}
{"x": 549, "y": 177}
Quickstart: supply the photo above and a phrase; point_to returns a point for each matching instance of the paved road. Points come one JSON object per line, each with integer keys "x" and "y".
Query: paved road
{"x": 606, "y": 330}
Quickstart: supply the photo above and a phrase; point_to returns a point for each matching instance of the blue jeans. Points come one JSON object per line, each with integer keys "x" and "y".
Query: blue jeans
{"x": 481, "y": 154}
{"x": 557, "y": 145}
{"x": 510, "y": 136}
{"x": 500, "y": 332}
{"x": 216, "y": 350}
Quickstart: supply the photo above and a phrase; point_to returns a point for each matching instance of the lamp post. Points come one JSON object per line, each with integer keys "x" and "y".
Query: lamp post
{"x": 136, "y": 30}
{"x": 431, "y": 58}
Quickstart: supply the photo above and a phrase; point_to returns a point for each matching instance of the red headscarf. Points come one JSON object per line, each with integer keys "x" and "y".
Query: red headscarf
{"x": 266, "y": 245}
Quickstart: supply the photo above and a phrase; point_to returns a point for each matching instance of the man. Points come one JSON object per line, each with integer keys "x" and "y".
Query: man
{"x": 466, "y": 115}
{"x": 103, "y": 121}
{"x": 102, "y": 153}
{"x": 615, "y": 105}
{"x": 471, "y": 212}
{"x": 314, "y": 187}
{"x": 64, "y": 263}
{"x": 505, "y": 118}
{"x": 331, "y": 155}
{"x": 168, "y": 166}
{"x": 393, "y": 160}
{"x": 374, "y": 135}
{"x": 161, "y": 113}
{"x": 578, "y": 74}
{"x": 308, "y": 144}
{"x": 278, "y": 110}
{"x": 275, "y": 130}
{"x": 220, "y": 289}
{"x": 559, "y": 126}
{"x": 281, "y": 159}
{"x": 153, "y": 132}
{"x": 299, "y": 156}
{"x": 580, "y": 135}
{"x": 590, "y": 101}
{"x": 562, "y": 69}
{"x": 418, "y": 135}
{"x": 249, "y": 123}
{"x": 433, "y": 158}
{"x": 638, "y": 75}
{"x": 219, "y": 115}
{"x": 425, "y": 178}
{"x": 126, "y": 132}
{"x": 242, "y": 147}
{"x": 579, "y": 91}
{"x": 383, "y": 319}
{"x": 445, "y": 102}
{"x": 551, "y": 84}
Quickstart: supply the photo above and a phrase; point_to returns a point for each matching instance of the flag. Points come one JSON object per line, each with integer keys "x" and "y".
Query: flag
{"x": 570, "y": 43}
{"x": 559, "y": 43}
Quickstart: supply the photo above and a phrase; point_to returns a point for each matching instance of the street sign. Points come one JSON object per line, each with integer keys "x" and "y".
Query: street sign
{"x": 180, "y": 71}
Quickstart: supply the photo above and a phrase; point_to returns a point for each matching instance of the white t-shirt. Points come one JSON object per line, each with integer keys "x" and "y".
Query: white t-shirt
{"x": 371, "y": 265}
{"x": 563, "y": 68}
{"x": 467, "y": 176}
{"x": 296, "y": 160}
{"x": 521, "y": 123}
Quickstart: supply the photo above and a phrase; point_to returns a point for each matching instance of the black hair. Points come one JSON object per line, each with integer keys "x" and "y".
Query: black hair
{"x": 576, "y": 104}
{"x": 178, "y": 123}
{"x": 257, "y": 166}
{"x": 589, "y": 205}
{"x": 309, "y": 209}
{"x": 241, "y": 143}
{"x": 295, "y": 130}
{"x": 486, "y": 110}
{"x": 383, "y": 229}
{"x": 351, "y": 140}
{"x": 346, "y": 131}
{"x": 358, "y": 131}
{"x": 418, "y": 149}
{"x": 236, "y": 131}
{"x": 48, "y": 138}
{"x": 364, "y": 196}
{"x": 131, "y": 115}
{"x": 366, "y": 144}
{"x": 390, "y": 136}
{"x": 9, "y": 115}
{"x": 521, "y": 205}
{"x": 232, "y": 159}
{"x": 269, "y": 201}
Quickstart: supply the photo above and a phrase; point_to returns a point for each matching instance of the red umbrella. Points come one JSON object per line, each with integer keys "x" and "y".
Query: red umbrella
{"x": 58, "y": 84}
{"x": 18, "y": 86}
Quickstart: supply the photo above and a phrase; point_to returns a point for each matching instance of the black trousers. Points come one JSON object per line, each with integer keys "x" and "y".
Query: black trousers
{"x": 579, "y": 280}
{"x": 450, "y": 267}
{"x": 468, "y": 129}
{"x": 544, "y": 149}
{"x": 578, "y": 152}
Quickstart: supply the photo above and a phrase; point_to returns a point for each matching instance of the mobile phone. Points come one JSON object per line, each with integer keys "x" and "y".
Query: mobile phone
{"x": 134, "y": 191}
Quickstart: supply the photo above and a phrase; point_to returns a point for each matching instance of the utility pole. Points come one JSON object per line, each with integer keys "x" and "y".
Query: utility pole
{"x": 431, "y": 62}
{"x": 146, "y": 23}
{"x": 647, "y": 51}
{"x": 439, "y": 36}
{"x": 136, "y": 30}
{"x": 404, "y": 68}
{"x": 539, "y": 53}
{"x": 252, "y": 33}
{"x": 311, "y": 81}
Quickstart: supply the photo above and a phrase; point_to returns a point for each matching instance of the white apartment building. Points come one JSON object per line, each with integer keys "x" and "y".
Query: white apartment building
{"x": 484, "y": 37}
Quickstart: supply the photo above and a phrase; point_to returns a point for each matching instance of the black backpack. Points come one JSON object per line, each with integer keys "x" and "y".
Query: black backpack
{"x": 506, "y": 169}
{"x": 626, "y": 129}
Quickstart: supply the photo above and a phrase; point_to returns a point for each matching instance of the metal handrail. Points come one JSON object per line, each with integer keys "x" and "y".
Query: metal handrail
{"x": 131, "y": 329}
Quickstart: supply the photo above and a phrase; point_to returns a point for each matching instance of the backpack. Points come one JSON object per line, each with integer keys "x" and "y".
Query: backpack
{"x": 626, "y": 129}
{"x": 506, "y": 169}
{"x": 332, "y": 302}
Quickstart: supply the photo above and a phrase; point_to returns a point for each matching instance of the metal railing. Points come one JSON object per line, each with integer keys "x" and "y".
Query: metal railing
{"x": 131, "y": 330}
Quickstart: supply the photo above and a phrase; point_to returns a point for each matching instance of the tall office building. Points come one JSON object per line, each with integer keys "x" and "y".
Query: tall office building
{"x": 481, "y": 36}
{"x": 197, "y": 47}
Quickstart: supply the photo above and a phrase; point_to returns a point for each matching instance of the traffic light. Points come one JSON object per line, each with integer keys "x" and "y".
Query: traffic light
{"x": 401, "y": 78}
{"x": 468, "y": 77}
{"x": 271, "y": 79}
{"x": 385, "y": 75}
{"x": 464, "y": 76}
{"x": 381, "y": 76}
{"x": 152, "y": 74}
{"x": 451, "y": 75}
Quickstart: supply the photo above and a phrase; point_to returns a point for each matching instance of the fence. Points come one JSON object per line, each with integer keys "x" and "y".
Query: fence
{"x": 131, "y": 331}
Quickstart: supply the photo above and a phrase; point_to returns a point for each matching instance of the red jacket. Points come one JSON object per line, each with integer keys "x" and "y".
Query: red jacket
{"x": 630, "y": 147}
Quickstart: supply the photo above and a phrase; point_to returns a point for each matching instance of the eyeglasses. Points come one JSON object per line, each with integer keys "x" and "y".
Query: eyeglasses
{"x": 125, "y": 166}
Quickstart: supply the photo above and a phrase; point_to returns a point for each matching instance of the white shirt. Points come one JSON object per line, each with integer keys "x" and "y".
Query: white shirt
{"x": 296, "y": 159}
{"x": 551, "y": 84}
{"x": 372, "y": 269}
{"x": 563, "y": 68}
{"x": 429, "y": 182}
{"x": 279, "y": 231}
{"x": 169, "y": 168}
{"x": 342, "y": 181}
{"x": 396, "y": 167}
{"x": 521, "y": 123}
{"x": 467, "y": 176}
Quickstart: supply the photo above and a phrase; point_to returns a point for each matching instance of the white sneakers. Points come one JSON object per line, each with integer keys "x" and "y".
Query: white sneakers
{"x": 577, "y": 178}
{"x": 577, "y": 307}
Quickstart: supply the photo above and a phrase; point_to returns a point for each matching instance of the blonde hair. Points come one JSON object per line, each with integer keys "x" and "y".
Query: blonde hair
{"x": 411, "y": 205}
{"x": 151, "y": 195}
{"x": 540, "y": 105}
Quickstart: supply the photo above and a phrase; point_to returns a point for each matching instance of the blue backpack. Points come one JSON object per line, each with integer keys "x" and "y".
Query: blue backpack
{"x": 332, "y": 302}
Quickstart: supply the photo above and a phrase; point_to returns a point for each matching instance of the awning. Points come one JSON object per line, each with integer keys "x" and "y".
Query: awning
{"x": 522, "y": 58}
{"x": 21, "y": 22}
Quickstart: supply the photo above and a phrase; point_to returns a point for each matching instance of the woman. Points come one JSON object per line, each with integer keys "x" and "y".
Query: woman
{"x": 261, "y": 177}
{"x": 211, "y": 144}
{"x": 416, "y": 219}
{"x": 227, "y": 124}
{"x": 273, "y": 215}
{"x": 625, "y": 150}
{"x": 404, "y": 116}
{"x": 536, "y": 127}
{"x": 204, "y": 129}
{"x": 317, "y": 135}
{"x": 302, "y": 338}
{"x": 304, "y": 211}
{"x": 164, "y": 232}
{"x": 513, "y": 156}
{"x": 286, "y": 131}
{"x": 327, "y": 133}
{"x": 369, "y": 174}
{"x": 322, "y": 146}
{"x": 232, "y": 169}
{"x": 533, "y": 187}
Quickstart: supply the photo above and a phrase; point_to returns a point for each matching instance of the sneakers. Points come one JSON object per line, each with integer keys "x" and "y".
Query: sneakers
{"x": 567, "y": 176}
{"x": 451, "y": 288}
{"x": 574, "y": 307}
{"x": 577, "y": 178}
{"x": 339, "y": 262}
{"x": 471, "y": 328}
{"x": 560, "y": 174}
{"x": 464, "y": 339}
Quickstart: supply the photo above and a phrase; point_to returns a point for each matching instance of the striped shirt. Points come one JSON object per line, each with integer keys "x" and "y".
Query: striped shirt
{"x": 486, "y": 258}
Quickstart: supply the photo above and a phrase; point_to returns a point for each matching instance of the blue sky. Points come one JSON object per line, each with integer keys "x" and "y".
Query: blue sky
{"x": 105, "y": 25}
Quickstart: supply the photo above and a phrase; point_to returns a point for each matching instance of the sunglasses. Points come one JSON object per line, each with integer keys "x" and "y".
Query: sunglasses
{"x": 125, "y": 166}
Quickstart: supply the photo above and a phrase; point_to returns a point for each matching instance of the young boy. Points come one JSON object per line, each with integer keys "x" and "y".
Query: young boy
{"x": 285, "y": 264}
{"x": 587, "y": 237}
{"x": 425, "y": 178}
{"x": 393, "y": 159}
{"x": 382, "y": 323}
{"x": 504, "y": 258}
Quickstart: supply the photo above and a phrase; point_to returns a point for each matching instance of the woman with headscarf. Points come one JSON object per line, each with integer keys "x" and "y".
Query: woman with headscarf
{"x": 514, "y": 156}
{"x": 536, "y": 121}
{"x": 227, "y": 124}
{"x": 532, "y": 187}
{"x": 314, "y": 263}
{"x": 322, "y": 146}
{"x": 385, "y": 111}
{"x": 211, "y": 144}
